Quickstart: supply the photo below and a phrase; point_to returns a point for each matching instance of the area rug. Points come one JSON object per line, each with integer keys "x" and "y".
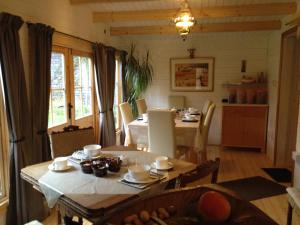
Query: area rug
{"x": 281, "y": 175}
{"x": 253, "y": 188}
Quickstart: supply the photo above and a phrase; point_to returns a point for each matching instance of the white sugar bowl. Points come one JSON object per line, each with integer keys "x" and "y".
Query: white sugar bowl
{"x": 92, "y": 150}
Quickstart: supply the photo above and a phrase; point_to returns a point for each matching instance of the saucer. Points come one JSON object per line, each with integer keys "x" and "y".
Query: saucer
{"x": 130, "y": 179}
{"x": 170, "y": 166}
{"x": 51, "y": 167}
{"x": 189, "y": 120}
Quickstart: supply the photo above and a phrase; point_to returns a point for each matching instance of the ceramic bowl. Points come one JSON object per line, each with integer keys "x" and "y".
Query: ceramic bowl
{"x": 92, "y": 150}
{"x": 139, "y": 172}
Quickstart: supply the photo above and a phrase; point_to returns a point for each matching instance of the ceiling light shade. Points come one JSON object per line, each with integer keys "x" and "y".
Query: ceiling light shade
{"x": 184, "y": 20}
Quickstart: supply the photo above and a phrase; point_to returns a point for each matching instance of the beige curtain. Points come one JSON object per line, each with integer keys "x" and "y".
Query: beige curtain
{"x": 4, "y": 138}
{"x": 104, "y": 59}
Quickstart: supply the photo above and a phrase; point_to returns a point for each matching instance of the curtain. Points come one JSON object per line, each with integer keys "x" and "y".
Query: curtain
{"x": 23, "y": 203}
{"x": 104, "y": 58}
{"x": 40, "y": 46}
{"x": 124, "y": 87}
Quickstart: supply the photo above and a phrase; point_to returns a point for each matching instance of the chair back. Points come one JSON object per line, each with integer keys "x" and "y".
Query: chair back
{"x": 126, "y": 113}
{"x": 205, "y": 125}
{"x": 205, "y": 108}
{"x": 161, "y": 132}
{"x": 210, "y": 167}
{"x": 64, "y": 143}
{"x": 141, "y": 106}
{"x": 177, "y": 102}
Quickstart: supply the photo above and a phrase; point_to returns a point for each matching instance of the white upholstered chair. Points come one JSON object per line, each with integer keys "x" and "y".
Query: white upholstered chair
{"x": 205, "y": 108}
{"x": 199, "y": 154}
{"x": 204, "y": 132}
{"x": 141, "y": 106}
{"x": 127, "y": 117}
{"x": 177, "y": 102}
{"x": 64, "y": 143}
{"x": 161, "y": 132}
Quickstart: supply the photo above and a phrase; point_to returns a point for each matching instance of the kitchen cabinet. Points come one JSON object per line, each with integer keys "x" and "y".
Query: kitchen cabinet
{"x": 244, "y": 125}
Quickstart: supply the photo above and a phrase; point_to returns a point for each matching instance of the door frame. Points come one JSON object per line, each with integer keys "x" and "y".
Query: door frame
{"x": 284, "y": 35}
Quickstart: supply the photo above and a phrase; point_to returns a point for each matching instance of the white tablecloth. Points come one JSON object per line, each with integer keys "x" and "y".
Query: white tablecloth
{"x": 187, "y": 133}
{"x": 74, "y": 182}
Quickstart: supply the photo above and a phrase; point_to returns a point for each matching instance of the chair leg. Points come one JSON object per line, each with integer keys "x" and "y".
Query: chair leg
{"x": 289, "y": 215}
{"x": 58, "y": 217}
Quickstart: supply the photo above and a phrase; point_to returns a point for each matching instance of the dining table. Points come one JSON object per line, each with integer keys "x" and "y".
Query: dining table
{"x": 187, "y": 132}
{"x": 94, "y": 198}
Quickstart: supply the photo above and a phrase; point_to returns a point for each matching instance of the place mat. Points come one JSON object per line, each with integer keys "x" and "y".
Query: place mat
{"x": 281, "y": 175}
{"x": 253, "y": 188}
{"x": 143, "y": 186}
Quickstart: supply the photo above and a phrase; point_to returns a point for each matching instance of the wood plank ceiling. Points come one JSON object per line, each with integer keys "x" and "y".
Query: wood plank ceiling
{"x": 148, "y": 17}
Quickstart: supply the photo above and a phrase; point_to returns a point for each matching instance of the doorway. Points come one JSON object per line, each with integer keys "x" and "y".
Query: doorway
{"x": 288, "y": 99}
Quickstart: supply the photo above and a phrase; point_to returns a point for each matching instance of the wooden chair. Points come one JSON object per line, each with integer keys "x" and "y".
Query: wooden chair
{"x": 141, "y": 106}
{"x": 64, "y": 143}
{"x": 203, "y": 170}
{"x": 182, "y": 201}
{"x": 177, "y": 102}
{"x": 161, "y": 132}
{"x": 127, "y": 117}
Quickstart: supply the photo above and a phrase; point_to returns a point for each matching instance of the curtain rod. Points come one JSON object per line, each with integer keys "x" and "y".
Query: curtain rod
{"x": 73, "y": 36}
{"x": 70, "y": 35}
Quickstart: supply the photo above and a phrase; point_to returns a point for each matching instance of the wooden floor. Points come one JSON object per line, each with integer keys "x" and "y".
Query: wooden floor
{"x": 235, "y": 164}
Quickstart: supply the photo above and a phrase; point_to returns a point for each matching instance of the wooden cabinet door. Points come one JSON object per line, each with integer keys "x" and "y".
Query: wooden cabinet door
{"x": 244, "y": 126}
{"x": 255, "y": 127}
{"x": 232, "y": 126}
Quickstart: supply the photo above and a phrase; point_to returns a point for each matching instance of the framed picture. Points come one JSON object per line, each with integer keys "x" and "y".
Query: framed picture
{"x": 192, "y": 74}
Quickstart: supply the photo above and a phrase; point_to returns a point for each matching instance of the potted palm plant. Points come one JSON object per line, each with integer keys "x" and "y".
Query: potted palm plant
{"x": 138, "y": 77}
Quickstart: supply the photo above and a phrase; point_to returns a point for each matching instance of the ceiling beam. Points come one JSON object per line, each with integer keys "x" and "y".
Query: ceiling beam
{"x": 207, "y": 12}
{"x": 212, "y": 27}
{"x": 76, "y": 2}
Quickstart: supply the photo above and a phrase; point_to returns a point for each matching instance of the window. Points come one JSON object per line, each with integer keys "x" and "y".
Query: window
{"x": 57, "y": 105}
{"x": 72, "y": 93}
{"x": 117, "y": 95}
{"x": 82, "y": 86}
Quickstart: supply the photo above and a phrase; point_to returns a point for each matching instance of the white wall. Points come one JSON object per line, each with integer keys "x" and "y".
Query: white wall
{"x": 227, "y": 48}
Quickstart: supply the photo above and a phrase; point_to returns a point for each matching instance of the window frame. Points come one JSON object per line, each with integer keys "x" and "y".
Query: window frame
{"x": 66, "y": 54}
{"x": 72, "y": 82}
{"x": 70, "y": 94}
{"x": 118, "y": 78}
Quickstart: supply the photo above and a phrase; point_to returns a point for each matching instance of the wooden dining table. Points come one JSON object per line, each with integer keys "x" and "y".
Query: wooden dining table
{"x": 187, "y": 133}
{"x": 91, "y": 197}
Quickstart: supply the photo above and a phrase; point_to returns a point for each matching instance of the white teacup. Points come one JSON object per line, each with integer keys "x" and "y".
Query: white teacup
{"x": 60, "y": 163}
{"x": 193, "y": 110}
{"x": 161, "y": 162}
{"x": 139, "y": 172}
{"x": 145, "y": 117}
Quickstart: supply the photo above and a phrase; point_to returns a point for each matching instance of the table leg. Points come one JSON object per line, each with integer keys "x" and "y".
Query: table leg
{"x": 289, "y": 214}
